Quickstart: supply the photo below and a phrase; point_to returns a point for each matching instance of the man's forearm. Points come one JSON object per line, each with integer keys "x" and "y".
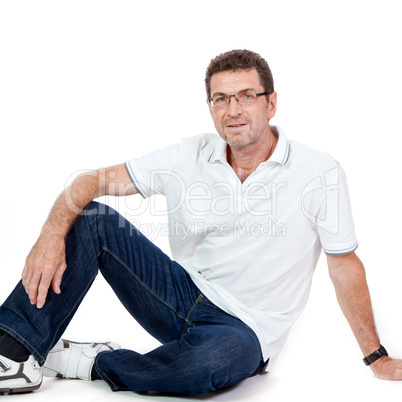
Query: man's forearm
{"x": 72, "y": 201}
{"x": 348, "y": 276}
{"x": 113, "y": 180}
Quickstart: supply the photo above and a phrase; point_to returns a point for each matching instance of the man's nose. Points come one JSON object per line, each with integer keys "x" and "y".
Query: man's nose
{"x": 233, "y": 108}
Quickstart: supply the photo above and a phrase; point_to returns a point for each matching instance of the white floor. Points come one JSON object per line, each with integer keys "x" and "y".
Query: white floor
{"x": 318, "y": 381}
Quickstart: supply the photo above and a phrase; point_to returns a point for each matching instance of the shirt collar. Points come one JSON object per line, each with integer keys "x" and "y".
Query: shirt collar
{"x": 281, "y": 151}
{"x": 219, "y": 152}
{"x": 280, "y": 154}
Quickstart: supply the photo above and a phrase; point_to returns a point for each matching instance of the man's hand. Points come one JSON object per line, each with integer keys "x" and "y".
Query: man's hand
{"x": 387, "y": 368}
{"x": 44, "y": 266}
{"x": 46, "y": 262}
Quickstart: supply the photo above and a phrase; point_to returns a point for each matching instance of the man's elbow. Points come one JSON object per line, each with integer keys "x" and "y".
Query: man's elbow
{"x": 342, "y": 267}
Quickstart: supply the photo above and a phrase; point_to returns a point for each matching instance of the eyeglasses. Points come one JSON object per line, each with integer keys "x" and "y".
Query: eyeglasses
{"x": 243, "y": 98}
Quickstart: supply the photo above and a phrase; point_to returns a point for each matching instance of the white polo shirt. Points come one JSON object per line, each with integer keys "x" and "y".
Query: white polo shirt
{"x": 251, "y": 247}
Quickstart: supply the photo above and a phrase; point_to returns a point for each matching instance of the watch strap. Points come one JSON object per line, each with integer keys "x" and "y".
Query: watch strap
{"x": 375, "y": 356}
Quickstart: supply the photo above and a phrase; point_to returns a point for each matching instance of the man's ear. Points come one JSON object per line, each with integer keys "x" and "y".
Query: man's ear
{"x": 272, "y": 105}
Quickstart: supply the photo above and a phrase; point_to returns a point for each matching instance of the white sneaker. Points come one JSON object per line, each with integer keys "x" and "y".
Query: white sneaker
{"x": 19, "y": 377}
{"x": 70, "y": 359}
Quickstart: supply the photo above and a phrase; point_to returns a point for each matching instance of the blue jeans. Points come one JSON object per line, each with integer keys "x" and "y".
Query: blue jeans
{"x": 203, "y": 348}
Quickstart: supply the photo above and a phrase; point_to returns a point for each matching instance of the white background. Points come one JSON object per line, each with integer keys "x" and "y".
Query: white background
{"x": 86, "y": 84}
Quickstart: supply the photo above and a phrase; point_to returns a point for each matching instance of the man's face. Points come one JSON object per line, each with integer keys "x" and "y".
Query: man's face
{"x": 240, "y": 125}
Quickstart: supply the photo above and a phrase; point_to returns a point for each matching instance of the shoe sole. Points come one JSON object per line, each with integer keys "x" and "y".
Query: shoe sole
{"x": 19, "y": 390}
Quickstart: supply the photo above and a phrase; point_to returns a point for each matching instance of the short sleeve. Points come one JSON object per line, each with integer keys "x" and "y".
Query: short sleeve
{"x": 335, "y": 221}
{"x": 147, "y": 172}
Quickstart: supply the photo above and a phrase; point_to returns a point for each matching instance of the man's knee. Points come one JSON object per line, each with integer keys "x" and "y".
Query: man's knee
{"x": 228, "y": 356}
{"x": 98, "y": 208}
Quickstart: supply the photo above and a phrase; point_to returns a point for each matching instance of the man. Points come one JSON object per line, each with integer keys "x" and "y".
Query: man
{"x": 249, "y": 212}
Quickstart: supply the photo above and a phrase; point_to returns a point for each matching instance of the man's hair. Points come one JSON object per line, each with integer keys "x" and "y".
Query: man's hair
{"x": 235, "y": 60}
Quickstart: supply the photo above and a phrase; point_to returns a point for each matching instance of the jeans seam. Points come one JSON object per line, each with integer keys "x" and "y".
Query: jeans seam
{"x": 97, "y": 367}
{"x": 189, "y": 313}
{"x": 69, "y": 313}
{"x": 145, "y": 285}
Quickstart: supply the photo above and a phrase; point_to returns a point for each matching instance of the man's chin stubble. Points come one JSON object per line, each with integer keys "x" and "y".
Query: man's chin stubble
{"x": 237, "y": 143}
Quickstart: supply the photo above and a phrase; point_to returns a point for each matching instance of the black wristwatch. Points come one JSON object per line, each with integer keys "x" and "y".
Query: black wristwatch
{"x": 375, "y": 356}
